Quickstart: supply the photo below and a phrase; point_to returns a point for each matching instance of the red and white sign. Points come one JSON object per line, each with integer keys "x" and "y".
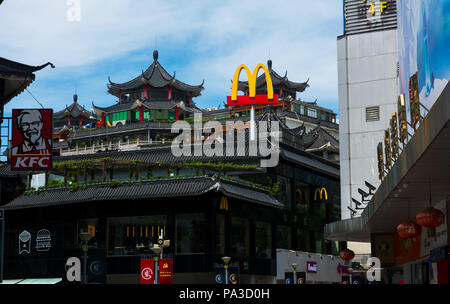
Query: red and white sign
{"x": 165, "y": 271}
{"x": 311, "y": 267}
{"x": 147, "y": 271}
{"x": 31, "y": 144}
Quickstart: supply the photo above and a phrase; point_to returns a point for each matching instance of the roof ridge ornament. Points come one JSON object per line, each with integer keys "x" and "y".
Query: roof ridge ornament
{"x": 155, "y": 55}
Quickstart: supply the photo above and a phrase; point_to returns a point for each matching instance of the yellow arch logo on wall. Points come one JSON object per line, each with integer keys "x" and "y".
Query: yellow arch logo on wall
{"x": 322, "y": 193}
{"x": 300, "y": 195}
{"x": 224, "y": 203}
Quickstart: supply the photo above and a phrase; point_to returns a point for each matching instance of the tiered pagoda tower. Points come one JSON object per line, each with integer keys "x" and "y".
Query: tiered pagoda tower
{"x": 154, "y": 95}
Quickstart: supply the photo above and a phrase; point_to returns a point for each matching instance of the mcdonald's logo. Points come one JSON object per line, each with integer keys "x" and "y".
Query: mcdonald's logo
{"x": 299, "y": 196}
{"x": 252, "y": 98}
{"x": 224, "y": 203}
{"x": 322, "y": 193}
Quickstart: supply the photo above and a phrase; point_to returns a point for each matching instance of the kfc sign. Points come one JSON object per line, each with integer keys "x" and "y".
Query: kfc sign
{"x": 31, "y": 139}
{"x": 311, "y": 267}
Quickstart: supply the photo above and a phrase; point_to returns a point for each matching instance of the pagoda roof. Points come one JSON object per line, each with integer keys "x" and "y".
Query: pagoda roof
{"x": 151, "y": 105}
{"x": 276, "y": 80}
{"x": 319, "y": 139}
{"x": 75, "y": 110}
{"x": 155, "y": 76}
{"x": 17, "y": 77}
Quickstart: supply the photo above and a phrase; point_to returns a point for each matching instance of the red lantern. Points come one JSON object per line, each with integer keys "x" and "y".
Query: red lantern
{"x": 409, "y": 229}
{"x": 346, "y": 254}
{"x": 430, "y": 218}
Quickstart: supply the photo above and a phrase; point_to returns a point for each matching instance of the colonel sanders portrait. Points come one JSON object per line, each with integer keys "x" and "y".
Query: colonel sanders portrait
{"x": 30, "y": 123}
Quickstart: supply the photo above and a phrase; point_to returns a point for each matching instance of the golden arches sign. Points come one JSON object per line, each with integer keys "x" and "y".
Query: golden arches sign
{"x": 322, "y": 193}
{"x": 251, "y": 81}
{"x": 223, "y": 203}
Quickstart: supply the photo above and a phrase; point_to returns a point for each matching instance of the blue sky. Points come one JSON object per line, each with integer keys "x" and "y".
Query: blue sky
{"x": 197, "y": 39}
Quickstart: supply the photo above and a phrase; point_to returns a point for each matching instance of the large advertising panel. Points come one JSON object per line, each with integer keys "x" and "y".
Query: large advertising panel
{"x": 423, "y": 37}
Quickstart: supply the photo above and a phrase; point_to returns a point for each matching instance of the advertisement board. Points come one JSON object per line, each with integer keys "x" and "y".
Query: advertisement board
{"x": 165, "y": 271}
{"x": 423, "y": 39}
{"x": 31, "y": 144}
{"x": 147, "y": 271}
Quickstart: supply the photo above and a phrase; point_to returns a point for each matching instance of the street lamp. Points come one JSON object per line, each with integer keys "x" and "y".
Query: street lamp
{"x": 85, "y": 237}
{"x": 294, "y": 266}
{"x": 226, "y": 260}
{"x": 156, "y": 250}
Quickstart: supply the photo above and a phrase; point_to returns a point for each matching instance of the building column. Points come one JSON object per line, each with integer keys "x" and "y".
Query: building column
{"x": 177, "y": 113}
{"x": 169, "y": 94}
{"x": 103, "y": 119}
{"x": 141, "y": 113}
{"x": 69, "y": 121}
{"x": 146, "y": 91}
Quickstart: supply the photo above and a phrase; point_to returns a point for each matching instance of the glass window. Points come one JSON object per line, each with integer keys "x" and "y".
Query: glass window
{"x": 284, "y": 239}
{"x": 220, "y": 233}
{"x": 302, "y": 110}
{"x": 302, "y": 240}
{"x": 190, "y": 233}
{"x": 135, "y": 235}
{"x": 312, "y": 113}
{"x": 91, "y": 226}
{"x": 146, "y": 115}
{"x": 263, "y": 240}
{"x": 240, "y": 237}
{"x": 318, "y": 241}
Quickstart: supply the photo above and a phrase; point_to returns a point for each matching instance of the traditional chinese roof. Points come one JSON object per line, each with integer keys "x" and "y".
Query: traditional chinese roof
{"x": 151, "y": 189}
{"x": 276, "y": 81}
{"x": 75, "y": 110}
{"x": 155, "y": 76}
{"x": 15, "y": 78}
{"x": 319, "y": 139}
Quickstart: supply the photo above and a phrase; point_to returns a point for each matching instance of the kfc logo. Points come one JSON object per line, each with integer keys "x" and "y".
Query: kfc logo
{"x": 31, "y": 139}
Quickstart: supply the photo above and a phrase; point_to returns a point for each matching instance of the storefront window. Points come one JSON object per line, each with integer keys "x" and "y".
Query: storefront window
{"x": 240, "y": 237}
{"x": 190, "y": 233}
{"x": 91, "y": 226}
{"x": 220, "y": 233}
{"x": 303, "y": 240}
{"x": 284, "y": 239}
{"x": 318, "y": 241}
{"x": 263, "y": 240}
{"x": 135, "y": 235}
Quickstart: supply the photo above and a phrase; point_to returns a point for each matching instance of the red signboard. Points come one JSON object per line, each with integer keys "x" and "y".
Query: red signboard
{"x": 147, "y": 271}
{"x": 311, "y": 267}
{"x": 31, "y": 144}
{"x": 244, "y": 100}
{"x": 165, "y": 271}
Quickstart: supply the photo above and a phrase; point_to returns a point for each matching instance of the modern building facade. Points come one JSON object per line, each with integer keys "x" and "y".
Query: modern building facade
{"x": 406, "y": 219}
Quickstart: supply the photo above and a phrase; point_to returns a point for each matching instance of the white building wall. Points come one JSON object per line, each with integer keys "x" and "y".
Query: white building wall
{"x": 367, "y": 77}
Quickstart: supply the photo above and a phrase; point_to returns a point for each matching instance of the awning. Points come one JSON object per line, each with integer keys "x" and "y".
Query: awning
{"x": 32, "y": 281}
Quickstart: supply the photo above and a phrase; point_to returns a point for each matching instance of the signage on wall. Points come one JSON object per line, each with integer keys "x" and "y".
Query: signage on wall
{"x": 31, "y": 139}
{"x": 147, "y": 271}
{"x": 369, "y": 15}
{"x": 165, "y": 271}
{"x": 311, "y": 267}
{"x": 24, "y": 242}
{"x": 43, "y": 240}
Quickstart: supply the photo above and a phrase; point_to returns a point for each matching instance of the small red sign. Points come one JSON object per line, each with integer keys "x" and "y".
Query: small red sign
{"x": 311, "y": 267}
{"x": 243, "y": 100}
{"x": 147, "y": 271}
{"x": 31, "y": 144}
{"x": 165, "y": 271}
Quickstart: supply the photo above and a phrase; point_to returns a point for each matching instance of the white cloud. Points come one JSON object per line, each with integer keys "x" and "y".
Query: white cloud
{"x": 216, "y": 35}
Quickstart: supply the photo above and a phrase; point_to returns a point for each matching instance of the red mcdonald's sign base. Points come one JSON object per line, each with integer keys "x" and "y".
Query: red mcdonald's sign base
{"x": 244, "y": 100}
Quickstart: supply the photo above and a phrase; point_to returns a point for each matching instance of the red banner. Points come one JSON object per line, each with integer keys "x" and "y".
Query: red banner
{"x": 147, "y": 271}
{"x": 165, "y": 271}
{"x": 31, "y": 139}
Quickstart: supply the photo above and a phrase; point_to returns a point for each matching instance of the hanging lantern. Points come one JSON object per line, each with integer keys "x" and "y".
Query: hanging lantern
{"x": 346, "y": 254}
{"x": 430, "y": 218}
{"x": 409, "y": 229}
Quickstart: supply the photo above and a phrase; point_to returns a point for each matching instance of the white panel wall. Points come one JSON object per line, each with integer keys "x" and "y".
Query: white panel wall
{"x": 367, "y": 76}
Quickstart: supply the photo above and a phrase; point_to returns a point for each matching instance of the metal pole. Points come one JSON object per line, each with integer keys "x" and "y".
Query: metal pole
{"x": 252, "y": 123}
{"x": 85, "y": 264}
{"x": 226, "y": 273}
{"x": 295, "y": 276}
{"x": 156, "y": 270}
